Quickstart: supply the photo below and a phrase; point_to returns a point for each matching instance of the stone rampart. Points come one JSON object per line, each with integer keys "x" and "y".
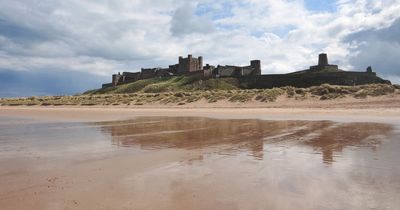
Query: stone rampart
{"x": 311, "y": 79}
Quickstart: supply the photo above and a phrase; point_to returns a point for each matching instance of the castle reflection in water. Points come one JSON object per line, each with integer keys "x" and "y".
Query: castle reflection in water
{"x": 252, "y": 136}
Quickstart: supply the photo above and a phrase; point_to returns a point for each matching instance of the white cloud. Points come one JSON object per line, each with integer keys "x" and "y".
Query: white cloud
{"x": 104, "y": 37}
{"x": 185, "y": 22}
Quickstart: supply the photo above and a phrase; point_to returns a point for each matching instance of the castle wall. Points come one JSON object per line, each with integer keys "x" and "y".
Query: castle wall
{"x": 207, "y": 73}
{"x": 311, "y": 79}
{"x": 236, "y": 71}
{"x": 324, "y": 68}
{"x": 224, "y": 71}
{"x": 173, "y": 68}
{"x": 107, "y": 85}
{"x": 202, "y": 74}
{"x": 163, "y": 73}
{"x": 131, "y": 77}
{"x": 147, "y": 73}
{"x": 247, "y": 71}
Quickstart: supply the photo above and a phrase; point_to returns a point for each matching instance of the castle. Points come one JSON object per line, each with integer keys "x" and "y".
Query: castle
{"x": 251, "y": 75}
{"x": 189, "y": 66}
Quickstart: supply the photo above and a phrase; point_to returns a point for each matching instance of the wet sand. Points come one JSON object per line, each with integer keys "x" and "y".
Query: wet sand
{"x": 93, "y": 114}
{"x": 120, "y": 159}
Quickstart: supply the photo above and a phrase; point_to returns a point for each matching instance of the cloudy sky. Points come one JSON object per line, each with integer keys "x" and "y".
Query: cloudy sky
{"x": 64, "y": 47}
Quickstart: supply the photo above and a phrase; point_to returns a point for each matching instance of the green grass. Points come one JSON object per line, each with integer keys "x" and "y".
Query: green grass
{"x": 171, "y": 84}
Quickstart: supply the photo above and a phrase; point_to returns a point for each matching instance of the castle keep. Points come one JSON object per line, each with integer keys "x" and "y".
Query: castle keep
{"x": 251, "y": 75}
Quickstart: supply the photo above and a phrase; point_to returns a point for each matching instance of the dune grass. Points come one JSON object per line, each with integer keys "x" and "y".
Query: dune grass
{"x": 184, "y": 90}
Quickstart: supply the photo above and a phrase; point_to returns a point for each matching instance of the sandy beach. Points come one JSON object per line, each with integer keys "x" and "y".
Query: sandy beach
{"x": 199, "y": 158}
{"x": 384, "y": 108}
{"x": 85, "y": 114}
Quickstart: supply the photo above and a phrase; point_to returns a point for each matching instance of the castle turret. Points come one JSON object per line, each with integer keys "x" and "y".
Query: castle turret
{"x": 323, "y": 59}
{"x": 116, "y": 78}
{"x": 323, "y": 64}
{"x": 200, "y": 62}
{"x": 369, "y": 69}
{"x": 256, "y": 64}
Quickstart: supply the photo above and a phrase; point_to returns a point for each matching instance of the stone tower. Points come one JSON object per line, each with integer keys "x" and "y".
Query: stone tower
{"x": 323, "y": 59}
{"x": 256, "y": 64}
{"x": 200, "y": 65}
{"x": 323, "y": 64}
{"x": 369, "y": 69}
{"x": 190, "y": 64}
{"x": 116, "y": 78}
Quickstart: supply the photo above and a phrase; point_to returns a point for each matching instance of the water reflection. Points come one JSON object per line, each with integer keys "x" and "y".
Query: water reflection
{"x": 253, "y": 136}
{"x": 199, "y": 163}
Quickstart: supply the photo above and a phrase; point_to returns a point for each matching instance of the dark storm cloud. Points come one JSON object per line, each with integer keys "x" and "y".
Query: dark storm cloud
{"x": 379, "y": 48}
{"x": 20, "y": 33}
{"x": 46, "y": 82}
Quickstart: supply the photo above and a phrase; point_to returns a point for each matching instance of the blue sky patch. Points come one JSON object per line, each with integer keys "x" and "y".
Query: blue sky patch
{"x": 321, "y": 5}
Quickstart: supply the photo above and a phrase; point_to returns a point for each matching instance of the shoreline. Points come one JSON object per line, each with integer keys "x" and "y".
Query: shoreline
{"x": 93, "y": 114}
